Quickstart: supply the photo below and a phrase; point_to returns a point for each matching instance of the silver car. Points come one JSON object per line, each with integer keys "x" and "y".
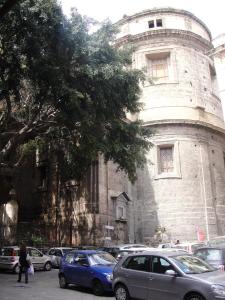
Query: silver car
{"x": 56, "y": 254}
{"x": 9, "y": 259}
{"x": 167, "y": 275}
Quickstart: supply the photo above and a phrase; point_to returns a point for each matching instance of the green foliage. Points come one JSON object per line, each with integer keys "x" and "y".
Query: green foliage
{"x": 69, "y": 89}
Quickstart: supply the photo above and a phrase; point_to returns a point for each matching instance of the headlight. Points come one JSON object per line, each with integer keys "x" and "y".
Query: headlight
{"x": 218, "y": 289}
{"x": 109, "y": 277}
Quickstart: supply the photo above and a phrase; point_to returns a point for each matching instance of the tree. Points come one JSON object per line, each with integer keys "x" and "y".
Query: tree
{"x": 6, "y": 6}
{"x": 67, "y": 88}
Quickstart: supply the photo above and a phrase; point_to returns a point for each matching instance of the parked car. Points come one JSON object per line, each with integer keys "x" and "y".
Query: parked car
{"x": 56, "y": 254}
{"x": 167, "y": 275}
{"x": 213, "y": 256}
{"x": 190, "y": 247}
{"x": 10, "y": 257}
{"x": 114, "y": 250}
{"x": 218, "y": 241}
{"x": 88, "y": 268}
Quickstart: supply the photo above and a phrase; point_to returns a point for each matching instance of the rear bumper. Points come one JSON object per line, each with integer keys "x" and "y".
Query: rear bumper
{"x": 7, "y": 266}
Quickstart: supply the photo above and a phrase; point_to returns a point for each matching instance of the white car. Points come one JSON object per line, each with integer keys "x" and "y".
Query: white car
{"x": 57, "y": 253}
{"x": 9, "y": 259}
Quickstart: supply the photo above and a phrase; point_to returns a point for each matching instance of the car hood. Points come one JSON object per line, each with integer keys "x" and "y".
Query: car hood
{"x": 103, "y": 268}
{"x": 215, "y": 277}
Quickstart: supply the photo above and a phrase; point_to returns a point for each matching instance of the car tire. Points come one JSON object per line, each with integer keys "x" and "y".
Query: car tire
{"x": 16, "y": 269}
{"x": 47, "y": 266}
{"x": 121, "y": 292}
{"x": 97, "y": 288}
{"x": 62, "y": 282}
{"x": 194, "y": 296}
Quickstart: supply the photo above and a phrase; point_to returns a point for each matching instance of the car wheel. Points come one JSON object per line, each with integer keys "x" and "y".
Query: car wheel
{"x": 194, "y": 296}
{"x": 121, "y": 292}
{"x": 16, "y": 269}
{"x": 97, "y": 287}
{"x": 62, "y": 282}
{"x": 48, "y": 266}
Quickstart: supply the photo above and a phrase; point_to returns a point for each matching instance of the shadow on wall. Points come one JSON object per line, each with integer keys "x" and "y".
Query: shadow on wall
{"x": 147, "y": 225}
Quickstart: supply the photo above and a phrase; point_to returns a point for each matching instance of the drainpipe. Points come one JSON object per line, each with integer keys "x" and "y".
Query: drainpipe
{"x": 204, "y": 195}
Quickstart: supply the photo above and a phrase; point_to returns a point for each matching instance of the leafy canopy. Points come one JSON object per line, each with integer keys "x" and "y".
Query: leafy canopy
{"x": 62, "y": 86}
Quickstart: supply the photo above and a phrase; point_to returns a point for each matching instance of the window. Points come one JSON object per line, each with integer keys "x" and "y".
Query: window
{"x": 166, "y": 159}
{"x": 121, "y": 212}
{"x": 69, "y": 258}
{"x": 35, "y": 253}
{"x": 158, "y": 66}
{"x": 160, "y": 265}
{"x": 151, "y": 24}
{"x": 155, "y": 23}
{"x": 159, "y": 23}
{"x": 159, "y": 69}
{"x": 140, "y": 263}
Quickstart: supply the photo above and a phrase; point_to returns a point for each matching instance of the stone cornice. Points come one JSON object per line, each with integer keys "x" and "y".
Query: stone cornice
{"x": 147, "y": 35}
{"x": 186, "y": 122}
{"x": 165, "y": 10}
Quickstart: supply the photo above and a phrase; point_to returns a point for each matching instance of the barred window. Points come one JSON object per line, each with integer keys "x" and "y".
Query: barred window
{"x": 166, "y": 159}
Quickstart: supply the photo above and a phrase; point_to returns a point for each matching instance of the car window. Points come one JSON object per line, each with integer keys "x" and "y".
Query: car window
{"x": 69, "y": 258}
{"x": 58, "y": 252}
{"x": 10, "y": 252}
{"x": 52, "y": 252}
{"x": 81, "y": 259}
{"x": 34, "y": 252}
{"x": 160, "y": 265}
{"x": 64, "y": 251}
{"x": 102, "y": 258}
{"x": 139, "y": 263}
{"x": 192, "y": 264}
{"x": 209, "y": 254}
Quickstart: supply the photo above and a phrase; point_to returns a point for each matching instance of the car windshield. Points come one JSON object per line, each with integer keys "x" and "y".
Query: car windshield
{"x": 210, "y": 254}
{"x": 192, "y": 265}
{"x": 66, "y": 250}
{"x": 102, "y": 259}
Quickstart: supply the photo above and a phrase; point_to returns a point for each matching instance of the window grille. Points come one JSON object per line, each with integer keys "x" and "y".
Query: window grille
{"x": 166, "y": 159}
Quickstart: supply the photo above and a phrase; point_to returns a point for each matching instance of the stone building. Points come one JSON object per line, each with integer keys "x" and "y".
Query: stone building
{"x": 182, "y": 187}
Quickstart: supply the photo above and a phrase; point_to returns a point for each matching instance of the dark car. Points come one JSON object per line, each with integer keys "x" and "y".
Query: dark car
{"x": 87, "y": 268}
{"x": 212, "y": 255}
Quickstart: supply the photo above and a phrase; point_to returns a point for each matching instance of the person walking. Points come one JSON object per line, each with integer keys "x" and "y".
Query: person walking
{"x": 24, "y": 263}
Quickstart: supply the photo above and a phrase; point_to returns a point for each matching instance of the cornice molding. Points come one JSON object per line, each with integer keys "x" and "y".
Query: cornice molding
{"x": 147, "y": 35}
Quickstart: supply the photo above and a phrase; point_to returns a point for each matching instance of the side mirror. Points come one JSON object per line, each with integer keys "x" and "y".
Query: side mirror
{"x": 171, "y": 273}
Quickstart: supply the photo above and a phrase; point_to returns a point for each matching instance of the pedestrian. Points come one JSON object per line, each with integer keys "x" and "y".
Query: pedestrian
{"x": 24, "y": 263}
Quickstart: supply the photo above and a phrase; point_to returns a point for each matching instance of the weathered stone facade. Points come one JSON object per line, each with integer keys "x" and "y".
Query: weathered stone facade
{"x": 185, "y": 111}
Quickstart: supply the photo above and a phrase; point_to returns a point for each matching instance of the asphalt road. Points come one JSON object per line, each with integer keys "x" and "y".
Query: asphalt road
{"x": 42, "y": 286}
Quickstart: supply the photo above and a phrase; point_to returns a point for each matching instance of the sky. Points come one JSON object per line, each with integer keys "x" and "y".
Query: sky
{"x": 212, "y": 13}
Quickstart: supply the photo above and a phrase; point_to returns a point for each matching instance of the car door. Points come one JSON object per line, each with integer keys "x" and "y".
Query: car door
{"x": 136, "y": 276}
{"x": 51, "y": 253}
{"x": 163, "y": 286}
{"x": 82, "y": 270}
{"x": 36, "y": 258}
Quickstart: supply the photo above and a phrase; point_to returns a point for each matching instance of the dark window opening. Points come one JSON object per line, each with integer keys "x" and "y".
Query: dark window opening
{"x": 159, "y": 23}
{"x": 151, "y": 24}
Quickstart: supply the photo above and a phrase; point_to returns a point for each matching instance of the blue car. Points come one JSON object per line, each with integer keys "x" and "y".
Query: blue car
{"x": 87, "y": 268}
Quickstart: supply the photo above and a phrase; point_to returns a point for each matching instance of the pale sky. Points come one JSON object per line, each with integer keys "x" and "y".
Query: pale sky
{"x": 212, "y": 13}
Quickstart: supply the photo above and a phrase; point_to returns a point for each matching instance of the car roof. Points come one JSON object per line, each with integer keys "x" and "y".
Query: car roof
{"x": 61, "y": 248}
{"x": 161, "y": 253}
{"x": 210, "y": 248}
{"x": 87, "y": 251}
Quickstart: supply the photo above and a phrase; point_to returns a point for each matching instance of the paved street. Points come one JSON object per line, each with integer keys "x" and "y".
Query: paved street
{"x": 42, "y": 286}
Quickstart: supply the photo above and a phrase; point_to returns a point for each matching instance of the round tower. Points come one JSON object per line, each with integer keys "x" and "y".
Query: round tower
{"x": 181, "y": 189}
